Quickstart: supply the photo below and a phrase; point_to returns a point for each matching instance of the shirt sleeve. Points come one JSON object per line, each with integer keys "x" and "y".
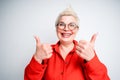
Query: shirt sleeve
{"x": 95, "y": 70}
{"x": 34, "y": 70}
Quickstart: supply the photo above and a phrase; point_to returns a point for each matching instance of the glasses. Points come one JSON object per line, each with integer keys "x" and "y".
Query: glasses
{"x": 71, "y": 26}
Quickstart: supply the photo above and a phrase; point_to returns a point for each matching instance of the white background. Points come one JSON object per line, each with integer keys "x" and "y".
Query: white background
{"x": 21, "y": 20}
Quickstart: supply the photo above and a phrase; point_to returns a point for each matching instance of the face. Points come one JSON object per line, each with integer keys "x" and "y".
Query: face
{"x": 66, "y": 29}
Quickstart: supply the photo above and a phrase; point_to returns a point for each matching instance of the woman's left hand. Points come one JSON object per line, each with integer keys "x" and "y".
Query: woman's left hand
{"x": 85, "y": 49}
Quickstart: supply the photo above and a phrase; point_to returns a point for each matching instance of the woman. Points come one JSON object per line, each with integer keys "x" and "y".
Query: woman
{"x": 67, "y": 59}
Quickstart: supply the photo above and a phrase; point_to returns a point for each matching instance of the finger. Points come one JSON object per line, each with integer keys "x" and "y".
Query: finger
{"x": 47, "y": 47}
{"x": 37, "y": 40}
{"x": 49, "y": 55}
{"x": 80, "y": 46}
{"x": 79, "y": 49}
{"x": 49, "y": 51}
{"x": 77, "y": 52}
{"x": 83, "y": 44}
{"x": 93, "y": 39}
{"x": 80, "y": 54}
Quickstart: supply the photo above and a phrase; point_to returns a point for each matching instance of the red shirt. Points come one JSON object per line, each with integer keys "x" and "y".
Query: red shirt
{"x": 72, "y": 68}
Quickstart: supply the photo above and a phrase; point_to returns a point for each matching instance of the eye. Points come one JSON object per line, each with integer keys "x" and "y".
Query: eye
{"x": 72, "y": 25}
{"x": 61, "y": 24}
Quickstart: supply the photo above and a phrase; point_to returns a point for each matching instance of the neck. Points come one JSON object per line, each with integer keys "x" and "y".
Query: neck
{"x": 66, "y": 44}
{"x": 66, "y": 47}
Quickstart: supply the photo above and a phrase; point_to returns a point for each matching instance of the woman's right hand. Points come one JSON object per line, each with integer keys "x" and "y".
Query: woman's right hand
{"x": 43, "y": 51}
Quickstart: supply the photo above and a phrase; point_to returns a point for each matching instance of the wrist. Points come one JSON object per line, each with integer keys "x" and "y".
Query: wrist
{"x": 39, "y": 60}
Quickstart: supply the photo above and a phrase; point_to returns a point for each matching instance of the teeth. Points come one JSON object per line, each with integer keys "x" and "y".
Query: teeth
{"x": 66, "y": 35}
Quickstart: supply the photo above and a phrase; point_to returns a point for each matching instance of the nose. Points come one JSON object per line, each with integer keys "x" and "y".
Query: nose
{"x": 66, "y": 27}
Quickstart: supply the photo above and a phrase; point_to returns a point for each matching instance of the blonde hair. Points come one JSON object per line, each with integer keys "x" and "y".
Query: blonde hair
{"x": 67, "y": 12}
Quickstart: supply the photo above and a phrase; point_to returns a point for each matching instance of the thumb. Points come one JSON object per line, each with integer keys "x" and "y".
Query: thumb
{"x": 37, "y": 40}
{"x": 93, "y": 38}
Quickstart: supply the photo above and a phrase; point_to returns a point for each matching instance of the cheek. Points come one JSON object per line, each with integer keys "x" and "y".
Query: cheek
{"x": 75, "y": 32}
{"x": 57, "y": 32}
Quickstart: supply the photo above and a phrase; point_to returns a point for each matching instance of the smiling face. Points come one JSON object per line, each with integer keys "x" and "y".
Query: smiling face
{"x": 65, "y": 34}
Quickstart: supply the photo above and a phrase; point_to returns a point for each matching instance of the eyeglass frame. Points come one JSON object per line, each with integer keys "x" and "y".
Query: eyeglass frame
{"x": 64, "y": 25}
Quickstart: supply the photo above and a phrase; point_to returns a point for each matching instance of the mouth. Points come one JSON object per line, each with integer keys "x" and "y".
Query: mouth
{"x": 66, "y": 35}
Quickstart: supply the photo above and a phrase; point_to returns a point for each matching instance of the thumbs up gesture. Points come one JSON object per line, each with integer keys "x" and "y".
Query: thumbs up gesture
{"x": 43, "y": 51}
{"x": 85, "y": 49}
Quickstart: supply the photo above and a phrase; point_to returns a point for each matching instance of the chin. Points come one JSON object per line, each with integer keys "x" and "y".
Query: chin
{"x": 66, "y": 40}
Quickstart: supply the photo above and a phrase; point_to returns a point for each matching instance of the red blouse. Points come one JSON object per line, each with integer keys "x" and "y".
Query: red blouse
{"x": 72, "y": 68}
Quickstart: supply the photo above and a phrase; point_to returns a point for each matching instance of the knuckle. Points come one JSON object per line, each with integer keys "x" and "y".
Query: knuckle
{"x": 84, "y": 46}
{"x": 46, "y": 51}
{"x": 48, "y": 55}
{"x": 81, "y": 51}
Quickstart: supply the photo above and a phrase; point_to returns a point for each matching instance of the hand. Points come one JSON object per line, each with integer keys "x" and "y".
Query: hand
{"x": 43, "y": 51}
{"x": 85, "y": 49}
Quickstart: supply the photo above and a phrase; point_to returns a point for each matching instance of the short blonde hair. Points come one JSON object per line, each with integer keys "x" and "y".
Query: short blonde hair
{"x": 68, "y": 12}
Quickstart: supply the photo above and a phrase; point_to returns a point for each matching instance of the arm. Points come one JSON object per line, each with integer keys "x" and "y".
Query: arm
{"x": 34, "y": 70}
{"x": 95, "y": 70}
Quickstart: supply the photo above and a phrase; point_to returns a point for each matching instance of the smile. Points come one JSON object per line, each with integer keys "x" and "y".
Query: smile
{"x": 66, "y": 35}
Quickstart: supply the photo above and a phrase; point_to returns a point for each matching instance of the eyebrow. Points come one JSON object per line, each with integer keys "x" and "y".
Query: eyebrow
{"x": 65, "y": 23}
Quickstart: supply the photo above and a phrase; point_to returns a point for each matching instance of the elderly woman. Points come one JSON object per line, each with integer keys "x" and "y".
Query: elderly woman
{"x": 67, "y": 59}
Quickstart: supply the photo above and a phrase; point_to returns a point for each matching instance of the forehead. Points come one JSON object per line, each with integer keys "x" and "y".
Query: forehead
{"x": 67, "y": 19}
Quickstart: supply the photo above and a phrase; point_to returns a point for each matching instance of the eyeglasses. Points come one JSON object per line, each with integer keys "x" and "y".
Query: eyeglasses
{"x": 71, "y": 26}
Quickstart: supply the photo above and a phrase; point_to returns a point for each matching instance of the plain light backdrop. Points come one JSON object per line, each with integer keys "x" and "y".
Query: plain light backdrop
{"x": 20, "y": 20}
